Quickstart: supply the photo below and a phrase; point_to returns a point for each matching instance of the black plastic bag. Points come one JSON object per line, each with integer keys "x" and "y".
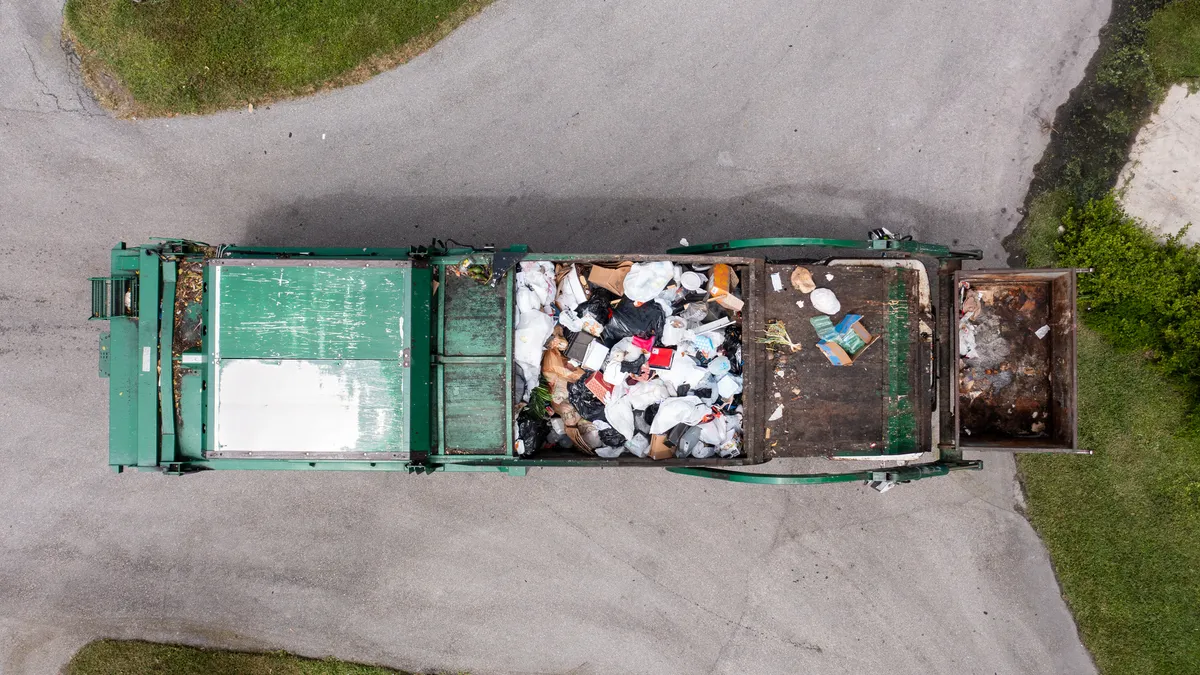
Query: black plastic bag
{"x": 733, "y": 340}
{"x": 649, "y": 414}
{"x": 588, "y": 406}
{"x": 531, "y": 431}
{"x": 612, "y": 438}
{"x": 628, "y": 320}
{"x": 634, "y": 366}
{"x": 598, "y": 305}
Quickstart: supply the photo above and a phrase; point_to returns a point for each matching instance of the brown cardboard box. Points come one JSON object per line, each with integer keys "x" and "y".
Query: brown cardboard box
{"x": 659, "y": 448}
{"x": 610, "y": 278}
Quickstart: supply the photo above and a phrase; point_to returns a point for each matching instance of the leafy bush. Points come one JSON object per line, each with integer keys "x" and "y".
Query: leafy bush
{"x": 1144, "y": 294}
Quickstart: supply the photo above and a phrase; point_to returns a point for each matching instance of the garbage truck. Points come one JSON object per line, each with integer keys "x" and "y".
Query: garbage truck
{"x": 426, "y": 359}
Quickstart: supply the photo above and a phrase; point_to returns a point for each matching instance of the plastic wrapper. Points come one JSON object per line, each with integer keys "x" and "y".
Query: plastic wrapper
{"x": 640, "y": 423}
{"x": 704, "y": 451}
{"x": 682, "y": 410}
{"x": 570, "y": 320}
{"x": 719, "y": 366}
{"x": 629, "y": 319}
{"x": 607, "y": 451}
{"x": 729, "y": 386}
{"x": 647, "y": 279}
{"x": 638, "y": 445}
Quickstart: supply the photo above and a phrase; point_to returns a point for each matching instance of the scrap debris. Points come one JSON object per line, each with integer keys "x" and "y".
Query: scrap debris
{"x": 1003, "y": 376}
{"x": 776, "y": 337}
{"x": 802, "y": 280}
{"x": 621, "y": 357}
{"x": 469, "y": 268}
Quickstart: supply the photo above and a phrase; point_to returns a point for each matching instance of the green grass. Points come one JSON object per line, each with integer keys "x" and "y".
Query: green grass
{"x": 1123, "y": 526}
{"x": 126, "y": 657}
{"x": 1041, "y": 227}
{"x": 160, "y": 57}
{"x": 1173, "y": 42}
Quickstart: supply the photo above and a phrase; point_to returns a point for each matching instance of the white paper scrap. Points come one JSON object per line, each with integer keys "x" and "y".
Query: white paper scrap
{"x": 1042, "y": 332}
{"x": 776, "y": 282}
{"x": 777, "y": 414}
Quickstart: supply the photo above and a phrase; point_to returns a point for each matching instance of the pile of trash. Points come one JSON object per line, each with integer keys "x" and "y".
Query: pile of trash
{"x": 644, "y": 358}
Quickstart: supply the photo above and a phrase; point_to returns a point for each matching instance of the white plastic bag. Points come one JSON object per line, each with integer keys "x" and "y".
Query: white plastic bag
{"x": 538, "y": 277}
{"x": 681, "y": 410}
{"x": 646, "y": 280}
{"x": 704, "y": 451}
{"x": 645, "y": 394}
{"x": 683, "y": 370}
{"x": 529, "y": 342}
{"x": 619, "y": 414}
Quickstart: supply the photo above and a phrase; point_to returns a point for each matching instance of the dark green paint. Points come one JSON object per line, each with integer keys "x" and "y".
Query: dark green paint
{"x": 312, "y": 312}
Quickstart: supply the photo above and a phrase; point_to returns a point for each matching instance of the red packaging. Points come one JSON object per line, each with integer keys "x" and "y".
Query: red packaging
{"x": 599, "y": 388}
{"x": 661, "y": 358}
{"x": 644, "y": 344}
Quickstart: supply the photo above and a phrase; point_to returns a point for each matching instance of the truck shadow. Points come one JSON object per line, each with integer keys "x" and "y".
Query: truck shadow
{"x": 593, "y": 224}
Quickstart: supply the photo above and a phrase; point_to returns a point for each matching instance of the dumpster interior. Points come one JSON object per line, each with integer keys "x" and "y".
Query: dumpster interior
{"x": 635, "y": 358}
{"x": 1015, "y": 359}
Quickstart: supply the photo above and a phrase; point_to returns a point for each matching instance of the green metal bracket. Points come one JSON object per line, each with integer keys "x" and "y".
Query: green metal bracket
{"x": 105, "y": 354}
{"x": 899, "y": 474}
{"x": 882, "y": 245}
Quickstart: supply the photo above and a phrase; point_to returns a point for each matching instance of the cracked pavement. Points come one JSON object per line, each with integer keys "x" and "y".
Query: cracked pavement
{"x": 615, "y": 126}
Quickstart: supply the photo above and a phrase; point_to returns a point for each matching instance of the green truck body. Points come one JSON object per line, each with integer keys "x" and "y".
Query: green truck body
{"x": 230, "y": 357}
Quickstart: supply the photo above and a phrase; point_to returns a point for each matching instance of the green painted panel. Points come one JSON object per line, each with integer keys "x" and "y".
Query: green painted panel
{"x": 125, "y": 358}
{"x": 420, "y": 398}
{"x": 475, "y": 407}
{"x": 475, "y": 318}
{"x": 297, "y": 406}
{"x": 331, "y": 310}
{"x": 191, "y": 416}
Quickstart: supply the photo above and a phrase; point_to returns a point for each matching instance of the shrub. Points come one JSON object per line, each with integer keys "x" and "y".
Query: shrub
{"x": 1144, "y": 294}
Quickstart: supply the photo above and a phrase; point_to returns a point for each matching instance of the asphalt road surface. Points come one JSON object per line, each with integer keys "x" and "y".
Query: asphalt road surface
{"x": 617, "y": 126}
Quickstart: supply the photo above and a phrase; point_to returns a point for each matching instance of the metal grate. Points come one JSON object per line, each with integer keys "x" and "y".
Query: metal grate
{"x": 114, "y": 296}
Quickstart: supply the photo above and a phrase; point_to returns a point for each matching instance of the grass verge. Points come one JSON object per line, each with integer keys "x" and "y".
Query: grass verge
{"x": 1123, "y": 526}
{"x": 165, "y": 57}
{"x": 130, "y": 657}
{"x": 1173, "y": 42}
